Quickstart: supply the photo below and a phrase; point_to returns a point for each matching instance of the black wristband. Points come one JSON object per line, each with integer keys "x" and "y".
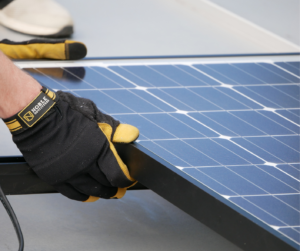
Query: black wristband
{"x": 37, "y": 109}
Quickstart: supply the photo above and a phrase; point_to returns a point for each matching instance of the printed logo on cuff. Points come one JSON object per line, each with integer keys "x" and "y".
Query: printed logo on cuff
{"x": 36, "y": 109}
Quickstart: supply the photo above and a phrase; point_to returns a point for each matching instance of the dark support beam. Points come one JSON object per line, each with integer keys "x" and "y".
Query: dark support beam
{"x": 16, "y": 177}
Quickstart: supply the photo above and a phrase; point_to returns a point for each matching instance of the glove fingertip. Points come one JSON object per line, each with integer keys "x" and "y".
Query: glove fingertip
{"x": 75, "y": 50}
{"x": 121, "y": 192}
{"x": 92, "y": 199}
{"x": 125, "y": 134}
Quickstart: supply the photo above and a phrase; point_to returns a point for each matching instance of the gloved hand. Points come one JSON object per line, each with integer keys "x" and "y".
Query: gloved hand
{"x": 67, "y": 141}
{"x": 44, "y": 49}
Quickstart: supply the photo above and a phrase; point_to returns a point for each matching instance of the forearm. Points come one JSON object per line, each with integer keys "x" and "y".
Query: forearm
{"x": 17, "y": 89}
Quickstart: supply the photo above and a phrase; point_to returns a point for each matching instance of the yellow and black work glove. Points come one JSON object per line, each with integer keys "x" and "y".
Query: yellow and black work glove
{"x": 44, "y": 49}
{"x": 67, "y": 141}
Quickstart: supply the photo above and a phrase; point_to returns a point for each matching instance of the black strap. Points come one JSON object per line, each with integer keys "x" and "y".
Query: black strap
{"x": 33, "y": 112}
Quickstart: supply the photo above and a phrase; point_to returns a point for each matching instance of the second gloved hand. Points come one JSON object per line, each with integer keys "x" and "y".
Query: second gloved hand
{"x": 67, "y": 141}
{"x": 61, "y": 49}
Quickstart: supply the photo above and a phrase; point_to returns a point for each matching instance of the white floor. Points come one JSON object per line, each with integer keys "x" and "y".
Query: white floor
{"x": 141, "y": 220}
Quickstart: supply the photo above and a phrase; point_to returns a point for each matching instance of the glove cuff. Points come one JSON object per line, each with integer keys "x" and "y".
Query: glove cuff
{"x": 37, "y": 109}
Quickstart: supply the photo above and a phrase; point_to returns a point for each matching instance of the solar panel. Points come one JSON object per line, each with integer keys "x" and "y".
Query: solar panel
{"x": 233, "y": 127}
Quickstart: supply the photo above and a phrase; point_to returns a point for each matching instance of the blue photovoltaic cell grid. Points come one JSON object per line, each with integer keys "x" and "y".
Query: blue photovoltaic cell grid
{"x": 232, "y": 127}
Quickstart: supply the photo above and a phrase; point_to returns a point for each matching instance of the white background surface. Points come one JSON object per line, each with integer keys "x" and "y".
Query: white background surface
{"x": 141, "y": 220}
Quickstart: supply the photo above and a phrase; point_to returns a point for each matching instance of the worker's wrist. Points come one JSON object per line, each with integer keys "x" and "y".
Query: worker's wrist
{"x": 17, "y": 89}
{"x": 22, "y": 98}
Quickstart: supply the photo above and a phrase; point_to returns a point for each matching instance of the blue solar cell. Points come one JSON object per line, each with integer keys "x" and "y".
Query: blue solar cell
{"x": 291, "y": 90}
{"x": 272, "y": 145}
{"x": 220, "y": 99}
{"x": 289, "y": 68}
{"x": 223, "y": 154}
{"x": 194, "y": 124}
{"x": 216, "y": 127}
{"x": 290, "y": 232}
{"x": 147, "y": 128}
{"x": 233, "y": 123}
{"x": 290, "y": 169}
{"x": 132, "y": 101}
{"x": 262, "y": 123}
{"x": 205, "y": 79}
{"x": 45, "y": 80}
{"x": 291, "y": 199}
{"x": 269, "y": 96}
{"x": 235, "y": 74}
{"x": 280, "y": 121}
{"x": 216, "y": 75}
{"x": 257, "y": 176}
{"x": 297, "y": 229}
{"x": 277, "y": 208}
{"x": 289, "y": 180}
{"x": 187, "y": 153}
{"x": 150, "y": 76}
{"x": 164, "y": 95}
{"x": 251, "y": 104}
{"x": 232, "y": 181}
{"x": 208, "y": 181}
{"x": 268, "y": 75}
{"x": 295, "y": 111}
{"x": 291, "y": 141}
{"x": 177, "y": 75}
{"x": 257, "y": 211}
{"x": 191, "y": 99}
{"x": 160, "y": 104}
{"x": 269, "y": 149}
{"x": 96, "y": 79}
{"x": 104, "y": 102}
{"x": 129, "y": 76}
{"x": 243, "y": 153}
{"x": 290, "y": 114}
{"x": 164, "y": 153}
{"x": 255, "y": 149}
{"x": 173, "y": 126}
{"x": 113, "y": 77}
{"x": 294, "y": 64}
{"x": 280, "y": 72}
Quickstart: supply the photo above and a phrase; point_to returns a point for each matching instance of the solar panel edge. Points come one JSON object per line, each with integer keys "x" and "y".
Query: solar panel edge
{"x": 232, "y": 222}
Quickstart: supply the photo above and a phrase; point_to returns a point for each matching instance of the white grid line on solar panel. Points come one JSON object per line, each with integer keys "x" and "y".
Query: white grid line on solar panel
{"x": 222, "y": 84}
{"x": 259, "y": 130}
{"x": 190, "y": 90}
{"x": 220, "y": 137}
{"x": 266, "y": 108}
{"x": 232, "y": 88}
{"x": 233, "y": 153}
{"x": 228, "y": 110}
{"x": 273, "y": 194}
{"x": 156, "y": 107}
{"x": 278, "y": 66}
{"x": 271, "y": 164}
{"x": 274, "y": 227}
{"x": 228, "y": 197}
